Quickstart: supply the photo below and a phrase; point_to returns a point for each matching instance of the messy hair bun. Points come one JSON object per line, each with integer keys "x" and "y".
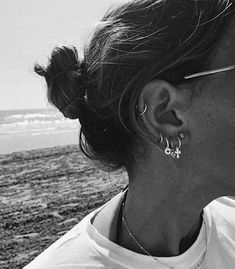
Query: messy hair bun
{"x": 133, "y": 44}
{"x": 66, "y": 80}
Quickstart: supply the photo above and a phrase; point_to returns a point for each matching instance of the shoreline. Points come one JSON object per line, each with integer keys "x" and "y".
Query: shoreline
{"x": 26, "y": 142}
{"x": 43, "y": 194}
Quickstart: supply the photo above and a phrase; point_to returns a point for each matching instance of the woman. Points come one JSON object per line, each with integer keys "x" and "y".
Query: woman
{"x": 155, "y": 96}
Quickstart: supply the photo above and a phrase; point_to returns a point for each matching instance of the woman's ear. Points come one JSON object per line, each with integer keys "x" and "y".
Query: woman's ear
{"x": 165, "y": 111}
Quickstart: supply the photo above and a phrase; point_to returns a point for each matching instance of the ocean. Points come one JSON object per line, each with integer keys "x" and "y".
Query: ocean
{"x": 22, "y": 130}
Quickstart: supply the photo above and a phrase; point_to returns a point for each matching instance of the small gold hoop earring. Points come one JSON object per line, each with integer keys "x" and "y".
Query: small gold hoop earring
{"x": 144, "y": 110}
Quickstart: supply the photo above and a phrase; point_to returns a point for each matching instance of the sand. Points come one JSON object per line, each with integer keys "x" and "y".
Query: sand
{"x": 43, "y": 194}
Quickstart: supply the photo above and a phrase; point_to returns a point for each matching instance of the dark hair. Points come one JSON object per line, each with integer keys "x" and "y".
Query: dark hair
{"x": 133, "y": 44}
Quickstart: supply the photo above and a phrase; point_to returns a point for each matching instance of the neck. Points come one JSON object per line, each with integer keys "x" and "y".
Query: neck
{"x": 163, "y": 212}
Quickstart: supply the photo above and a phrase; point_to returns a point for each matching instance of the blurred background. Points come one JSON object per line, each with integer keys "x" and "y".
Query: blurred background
{"x": 29, "y": 31}
{"x": 47, "y": 186}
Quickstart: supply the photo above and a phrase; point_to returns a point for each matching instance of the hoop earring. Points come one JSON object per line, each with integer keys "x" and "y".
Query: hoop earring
{"x": 168, "y": 151}
{"x": 174, "y": 153}
{"x": 180, "y": 143}
{"x": 160, "y": 139}
{"x": 144, "y": 110}
{"x": 177, "y": 151}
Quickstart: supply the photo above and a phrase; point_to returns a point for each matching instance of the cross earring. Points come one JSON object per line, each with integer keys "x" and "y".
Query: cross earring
{"x": 177, "y": 151}
{"x": 171, "y": 149}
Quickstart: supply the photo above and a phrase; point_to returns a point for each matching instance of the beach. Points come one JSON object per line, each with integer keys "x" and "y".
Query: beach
{"x": 22, "y": 130}
{"x": 43, "y": 194}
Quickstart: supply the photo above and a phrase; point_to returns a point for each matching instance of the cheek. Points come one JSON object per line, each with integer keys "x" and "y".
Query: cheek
{"x": 213, "y": 138}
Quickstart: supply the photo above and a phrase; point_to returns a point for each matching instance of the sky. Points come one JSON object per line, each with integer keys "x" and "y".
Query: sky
{"x": 30, "y": 29}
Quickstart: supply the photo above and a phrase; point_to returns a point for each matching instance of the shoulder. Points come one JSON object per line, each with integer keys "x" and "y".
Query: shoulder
{"x": 223, "y": 207}
{"x": 67, "y": 250}
{"x": 220, "y": 213}
{"x": 76, "y": 249}
{"x": 220, "y": 230}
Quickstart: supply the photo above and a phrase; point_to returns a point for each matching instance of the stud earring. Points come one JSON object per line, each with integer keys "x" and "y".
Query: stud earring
{"x": 181, "y": 135}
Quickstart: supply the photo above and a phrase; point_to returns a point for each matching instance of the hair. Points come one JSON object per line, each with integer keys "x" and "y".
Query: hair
{"x": 133, "y": 44}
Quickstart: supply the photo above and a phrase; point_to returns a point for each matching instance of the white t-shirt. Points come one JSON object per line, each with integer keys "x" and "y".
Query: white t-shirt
{"x": 84, "y": 247}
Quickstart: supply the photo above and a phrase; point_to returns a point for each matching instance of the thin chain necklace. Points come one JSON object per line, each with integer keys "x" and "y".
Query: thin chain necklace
{"x": 142, "y": 248}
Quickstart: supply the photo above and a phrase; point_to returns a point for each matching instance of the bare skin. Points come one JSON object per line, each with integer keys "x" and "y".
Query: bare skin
{"x": 166, "y": 196}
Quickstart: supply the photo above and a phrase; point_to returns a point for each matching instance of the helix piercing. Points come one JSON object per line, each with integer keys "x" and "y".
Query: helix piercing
{"x": 144, "y": 110}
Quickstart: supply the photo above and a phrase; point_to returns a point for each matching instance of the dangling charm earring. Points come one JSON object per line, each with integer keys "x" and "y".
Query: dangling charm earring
{"x": 177, "y": 151}
{"x": 168, "y": 151}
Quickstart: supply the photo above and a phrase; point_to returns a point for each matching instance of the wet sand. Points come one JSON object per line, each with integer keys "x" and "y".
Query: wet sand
{"x": 43, "y": 194}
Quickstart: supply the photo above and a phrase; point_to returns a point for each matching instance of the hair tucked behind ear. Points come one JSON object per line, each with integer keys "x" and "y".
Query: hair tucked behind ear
{"x": 133, "y": 44}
